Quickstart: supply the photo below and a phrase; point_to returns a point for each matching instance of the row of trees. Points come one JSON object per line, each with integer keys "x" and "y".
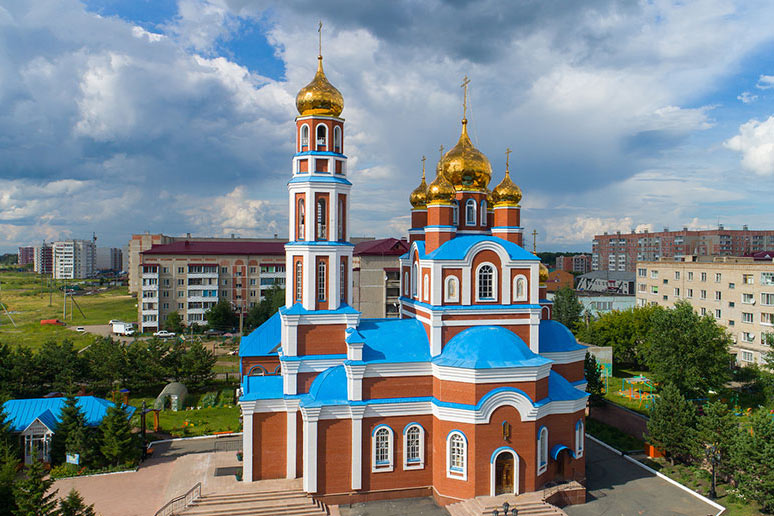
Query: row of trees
{"x": 739, "y": 450}
{"x": 141, "y": 364}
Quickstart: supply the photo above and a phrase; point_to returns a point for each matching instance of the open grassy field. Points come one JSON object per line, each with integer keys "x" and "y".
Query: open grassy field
{"x": 28, "y": 299}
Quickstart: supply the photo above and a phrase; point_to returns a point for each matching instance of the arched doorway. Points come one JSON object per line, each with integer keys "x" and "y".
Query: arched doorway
{"x": 504, "y": 472}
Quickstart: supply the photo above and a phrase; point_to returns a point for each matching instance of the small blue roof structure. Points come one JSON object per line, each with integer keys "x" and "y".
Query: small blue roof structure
{"x": 23, "y": 412}
{"x": 554, "y": 337}
{"x": 457, "y": 248}
{"x": 266, "y": 387}
{"x": 560, "y": 389}
{"x": 393, "y": 340}
{"x": 298, "y": 309}
{"x": 329, "y": 388}
{"x": 559, "y": 447}
{"x": 264, "y": 340}
{"x": 487, "y": 347}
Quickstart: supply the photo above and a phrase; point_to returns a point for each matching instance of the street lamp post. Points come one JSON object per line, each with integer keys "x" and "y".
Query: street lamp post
{"x": 713, "y": 455}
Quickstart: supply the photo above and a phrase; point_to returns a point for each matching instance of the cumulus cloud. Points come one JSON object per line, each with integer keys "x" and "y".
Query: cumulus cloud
{"x": 765, "y": 82}
{"x": 755, "y": 142}
{"x": 746, "y": 97}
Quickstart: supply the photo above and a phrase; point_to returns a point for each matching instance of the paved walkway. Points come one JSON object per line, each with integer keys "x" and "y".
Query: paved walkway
{"x": 406, "y": 507}
{"x": 618, "y": 487}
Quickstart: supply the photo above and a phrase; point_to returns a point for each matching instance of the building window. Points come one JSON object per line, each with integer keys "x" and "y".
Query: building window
{"x": 486, "y": 282}
{"x": 654, "y": 289}
{"x": 322, "y": 217}
{"x": 703, "y": 311}
{"x": 703, "y": 294}
{"x": 470, "y": 213}
{"x": 690, "y": 276}
{"x": 414, "y": 280}
{"x": 426, "y": 287}
{"x": 767, "y": 318}
{"x": 343, "y": 282}
{"x": 747, "y": 279}
{"x": 747, "y": 317}
{"x": 520, "y": 288}
{"x": 642, "y": 273}
{"x": 717, "y": 314}
{"x": 455, "y": 213}
{"x": 767, "y": 278}
{"x": 654, "y": 274}
{"x": 580, "y": 437}
{"x": 731, "y": 286}
{"x": 456, "y": 455}
{"x": 451, "y": 290}
{"x": 677, "y": 274}
{"x": 382, "y": 446}
{"x": 304, "y": 136}
{"x": 301, "y": 220}
{"x": 322, "y": 136}
{"x": 718, "y": 277}
{"x": 406, "y": 283}
{"x": 483, "y": 213}
{"x": 677, "y": 292}
{"x": 748, "y": 299}
{"x": 542, "y": 450}
{"x": 181, "y": 270}
{"x": 299, "y": 282}
{"x": 337, "y": 139}
{"x": 748, "y": 336}
{"x": 253, "y": 270}
{"x": 342, "y": 214}
{"x": 704, "y": 276}
{"x": 747, "y": 356}
{"x": 718, "y": 295}
{"x": 321, "y": 281}
{"x": 413, "y": 446}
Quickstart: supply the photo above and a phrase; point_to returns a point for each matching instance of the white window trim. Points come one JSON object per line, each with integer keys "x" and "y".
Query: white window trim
{"x": 515, "y": 290}
{"x": 406, "y": 284}
{"x": 301, "y": 138}
{"x": 337, "y": 139}
{"x": 494, "y": 284}
{"x": 580, "y": 435}
{"x": 471, "y": 221}
{"x": 542, "y": 450}
{"x": 421, "y": 463}
{"x": 317, "y": 146}
{"x": 383, "y": 468}
{"x": 463, "y": 474}
{"x": 426, "y": 287}
{"x": 484, "y": 212}
{"x": 448, "y": 298}
{"x": 415, "y": 281}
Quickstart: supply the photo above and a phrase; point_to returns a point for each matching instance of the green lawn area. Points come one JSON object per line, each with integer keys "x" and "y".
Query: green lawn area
{"x": 191, "y": 422}
{"x": 614, "y": 386}
{"x": 29, "y": 301}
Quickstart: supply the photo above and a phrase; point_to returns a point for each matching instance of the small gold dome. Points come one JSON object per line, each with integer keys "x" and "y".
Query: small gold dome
{"x": 319, "y": 97}
{"x": 440, "y": 191}
{"x": 543, "y": 274}
{"x": 465, "y": 166}
{"x": 418, "y": 197}
{"x": 506, "y": 193}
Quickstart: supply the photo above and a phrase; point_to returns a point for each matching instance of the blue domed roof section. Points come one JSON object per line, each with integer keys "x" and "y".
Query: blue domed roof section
{"x": 329, "y": 388}
{"x": 488, "y": 347}
{"x": 554, "y": 337}
{"x": 560, "y": 389}
{"x": 457, "y": 248}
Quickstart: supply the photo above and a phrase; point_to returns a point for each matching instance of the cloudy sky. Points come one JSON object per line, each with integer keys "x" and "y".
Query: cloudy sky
{"x": 175, "y": 116}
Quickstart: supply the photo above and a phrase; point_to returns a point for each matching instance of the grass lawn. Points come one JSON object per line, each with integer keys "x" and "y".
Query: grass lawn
{"x": 614, "y": 386}
{"x": 191, "y": 422}
{"x": 28, "y": 301}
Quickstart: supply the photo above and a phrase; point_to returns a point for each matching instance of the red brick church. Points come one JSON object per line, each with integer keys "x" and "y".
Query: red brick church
{"x": 473, "y": 391}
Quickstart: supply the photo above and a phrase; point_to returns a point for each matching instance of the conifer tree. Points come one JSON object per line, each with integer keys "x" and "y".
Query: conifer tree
{"x": 717, "y": 429}
{"x": 118, "y": 444}
{"x": 752, "y": 456}
{"x": 8, "y": 463}
{"x": 593, "y": 379}
{"x": 32, "y": 496}
{"x": 671, "y": 424}
{"x": 74, "y": 505}
{"x": 70, "y": 418}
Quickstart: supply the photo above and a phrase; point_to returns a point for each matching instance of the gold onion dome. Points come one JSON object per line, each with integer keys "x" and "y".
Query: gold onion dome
{"x": 465, "y": 166}
{"x": 319, "y": 97}
{"x": 506, "y": 193}
{"x": 418, "y": 197}
{"x": 440, "y": 190}
{"x": 543, "y": 274}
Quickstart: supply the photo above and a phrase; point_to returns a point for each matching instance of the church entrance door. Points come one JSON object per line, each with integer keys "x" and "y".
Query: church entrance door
{"x": 504, "y": 474}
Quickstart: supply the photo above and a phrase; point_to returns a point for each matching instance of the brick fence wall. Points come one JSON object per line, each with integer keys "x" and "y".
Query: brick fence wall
{"x": 621, "y": 418}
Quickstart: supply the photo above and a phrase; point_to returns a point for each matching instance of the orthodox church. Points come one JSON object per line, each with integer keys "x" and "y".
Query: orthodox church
{"x": 473, "y": 391}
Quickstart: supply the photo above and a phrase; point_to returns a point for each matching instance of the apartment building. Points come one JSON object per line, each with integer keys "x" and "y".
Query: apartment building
{"x": 611, "y": 282}
{"x": 376, "y": 277}
{"x": 110, "y": 259}
{"x": 189, "y": 277}
{"x": 74, "y": 259}
{"x": 25, "y": 255}
{"x": 580, "y": 263}
{"x": 559, "y": 279}
{"x": 737, "y": 292}
{"x": 622, "y": 251}
{"x": 43, "y": 258}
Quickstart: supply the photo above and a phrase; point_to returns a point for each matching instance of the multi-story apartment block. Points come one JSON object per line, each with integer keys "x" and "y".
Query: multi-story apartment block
{"x": 611, "y": 282}
{"x": 43, "y": 258}
{"x": 737, "y": 292}
{"x": 74, "y": 259}
{"x": 580, "y": 263}
{"x": 25, "y": 255}
{"x": 376, "y": 276}
{"x": 620, "y": 252}
{"x": 109, "y": 259}
{"x": 189, "y": 277}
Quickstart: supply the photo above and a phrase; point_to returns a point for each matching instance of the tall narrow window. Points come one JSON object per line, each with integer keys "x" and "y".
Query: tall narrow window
{"x": 382, "y": 446}
{"x": 414, "y": 280}
{"x": 483, "y": 213}
{"x": 405, "y": 283}
{"x": 470, "y": 213}
{"x": 486, "y": 282}
{"x": 455, "y": 213}
{"x": 322, "y": 136}
{"x": 452, "y": 294}
{"x": 342, "y": 213}
{"x": 579, "y": 438}
{"x": 520, "y": 288}
{"x": 337, "y": 139}
{"x": 304, "y": 137}
{"x": 456, "y": 455}
{"x": 343, "y": 282}
{"x": 299, "y": 282}
{"x": 426, "y": 287}
{"x": 542, "y": 450}
{"x": 322, "y": 218}
{"x": 413, "y": 446}
{"x": 321, "y": 281}
{"x": 301, "y": 220}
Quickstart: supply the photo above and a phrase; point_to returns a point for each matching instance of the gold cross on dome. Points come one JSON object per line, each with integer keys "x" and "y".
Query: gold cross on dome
{"x": 507, "y": 158}
{"x": 423, "y": 166}
{"x": 319, "y": 32}
{"x": 441, "y": 149}
{"x": 464, "y": 85}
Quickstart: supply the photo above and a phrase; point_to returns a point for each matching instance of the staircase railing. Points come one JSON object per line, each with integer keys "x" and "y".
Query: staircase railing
{"x": 175, "y": 505}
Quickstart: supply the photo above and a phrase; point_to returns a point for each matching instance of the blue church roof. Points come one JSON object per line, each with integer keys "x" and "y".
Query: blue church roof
{"x": 329, "y": 388}
{"x": 486, "y": 347}
{"x": 554, "y": 337}
{"x": 298, "y": 309}
{"x": 394, "y": 340}
{"x": 267, "y": 387}
{"x": 263, "y": 340}
{"x": 23, "y": 412}
{"x": 458, "y": 247}
{"x": 560, "y": 389}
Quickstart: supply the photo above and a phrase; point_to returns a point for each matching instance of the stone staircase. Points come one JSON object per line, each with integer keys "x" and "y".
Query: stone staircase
{"x": 528, "y": 504}
{"x": 291, "y": 502}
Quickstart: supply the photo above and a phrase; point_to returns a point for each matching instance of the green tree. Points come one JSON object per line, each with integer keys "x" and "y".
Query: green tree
{"x": 671, "y": 426}
{"x": 717, "y": 429}
{"x": 567, "y": 308}
{"x": 259, "y": 313}
{"x": 221, "y": 316}
{"x": 688, "y": 350}
{"x": 74, "y": 505}
{"x": 752, "y": 457}
{"x": 625, "y": 331}
{"x": 118, "y": 444}
{"x": 32, "y": 496}
{"x": 8, "y": 464}
{"x": 594, "y": 383}
{"x": 174, "y": 323}
{"x": 60, "y": 365}
{"x": 71, "y": 417}
{"x": 107, "y": 364}
{"x": 197, "y": 364}
{"x": 25, "y": 373}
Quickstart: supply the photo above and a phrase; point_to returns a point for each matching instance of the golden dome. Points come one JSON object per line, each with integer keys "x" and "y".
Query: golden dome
{"x": 440, "y": 191}
{"x": 418, "y": 197}
{"x": 489, "y": 200}
{"x": 543, "y": 274}
{"x": 506, "y": 193}
{"x": 465, "y": 166}
{"x": 319, "y": 97}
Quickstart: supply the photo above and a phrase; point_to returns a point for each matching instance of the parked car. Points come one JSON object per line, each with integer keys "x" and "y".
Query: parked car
{"x": 163, "y": 334}
{"x": 80, "y": 329}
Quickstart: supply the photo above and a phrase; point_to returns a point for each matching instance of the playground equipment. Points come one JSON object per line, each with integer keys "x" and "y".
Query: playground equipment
{"x": 638, "y": 388}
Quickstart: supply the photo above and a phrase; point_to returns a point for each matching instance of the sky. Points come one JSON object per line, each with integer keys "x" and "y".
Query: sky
{"x": 177, "y": 116}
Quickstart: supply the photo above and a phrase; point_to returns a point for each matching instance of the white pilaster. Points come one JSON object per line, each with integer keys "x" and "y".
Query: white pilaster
{"x": 310, "y": 416}
{"x": 355, "y": 381}
{"x": 247, "y": 445}
{"x": 291, "y": 438}
{"x": 357, "y": 447}
{"x": 290, "y": 377}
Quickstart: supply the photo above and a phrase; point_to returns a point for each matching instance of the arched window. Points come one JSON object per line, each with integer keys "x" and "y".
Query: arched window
{"x": 413, "y": 446}
{"x": 322, "y": 220}
{"x": 301, "y": 220}
{"x": 405, "y": 283}
{"x": 321, "y": 281}
{"x": 580, "y": 437}
{"x": 343, "y": 281}
{"x": 519, "y": 288}
{"x": 455, "y": 213}
{"x": 470, "y": 213}
{"x": 452, "y": 290}
{"x": 414, "y": 280}
{"x": 456, "y": 455}
{"x": 483, "y": 213}
{"x": 542, "y": 450}
{"x": 299, "y": 282}
{"x": 381, "y": 449}
{"x": 337, "y": 139}
{"x": 257, "y": 370}
{"x": 304, "y": 137}
{"x": 486, "y": 282}
{"x": 342, "y": 214}
{"x": 322, "y": 136}
{"x": 426, "y": 287}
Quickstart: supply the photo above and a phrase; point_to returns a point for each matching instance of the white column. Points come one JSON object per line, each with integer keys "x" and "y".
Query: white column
{"x": 310, "y": 416}
{"x": 534, "y": 334}
{"x": 292, "y": 436}
{"x": 357, "y": 447}
{"x": 290, "y": 377}
{"x": 465, "y": 285}
{"x": 247, "y": 443}
{"x": 333, "y": 281}
{"x": 354, "y": 381}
